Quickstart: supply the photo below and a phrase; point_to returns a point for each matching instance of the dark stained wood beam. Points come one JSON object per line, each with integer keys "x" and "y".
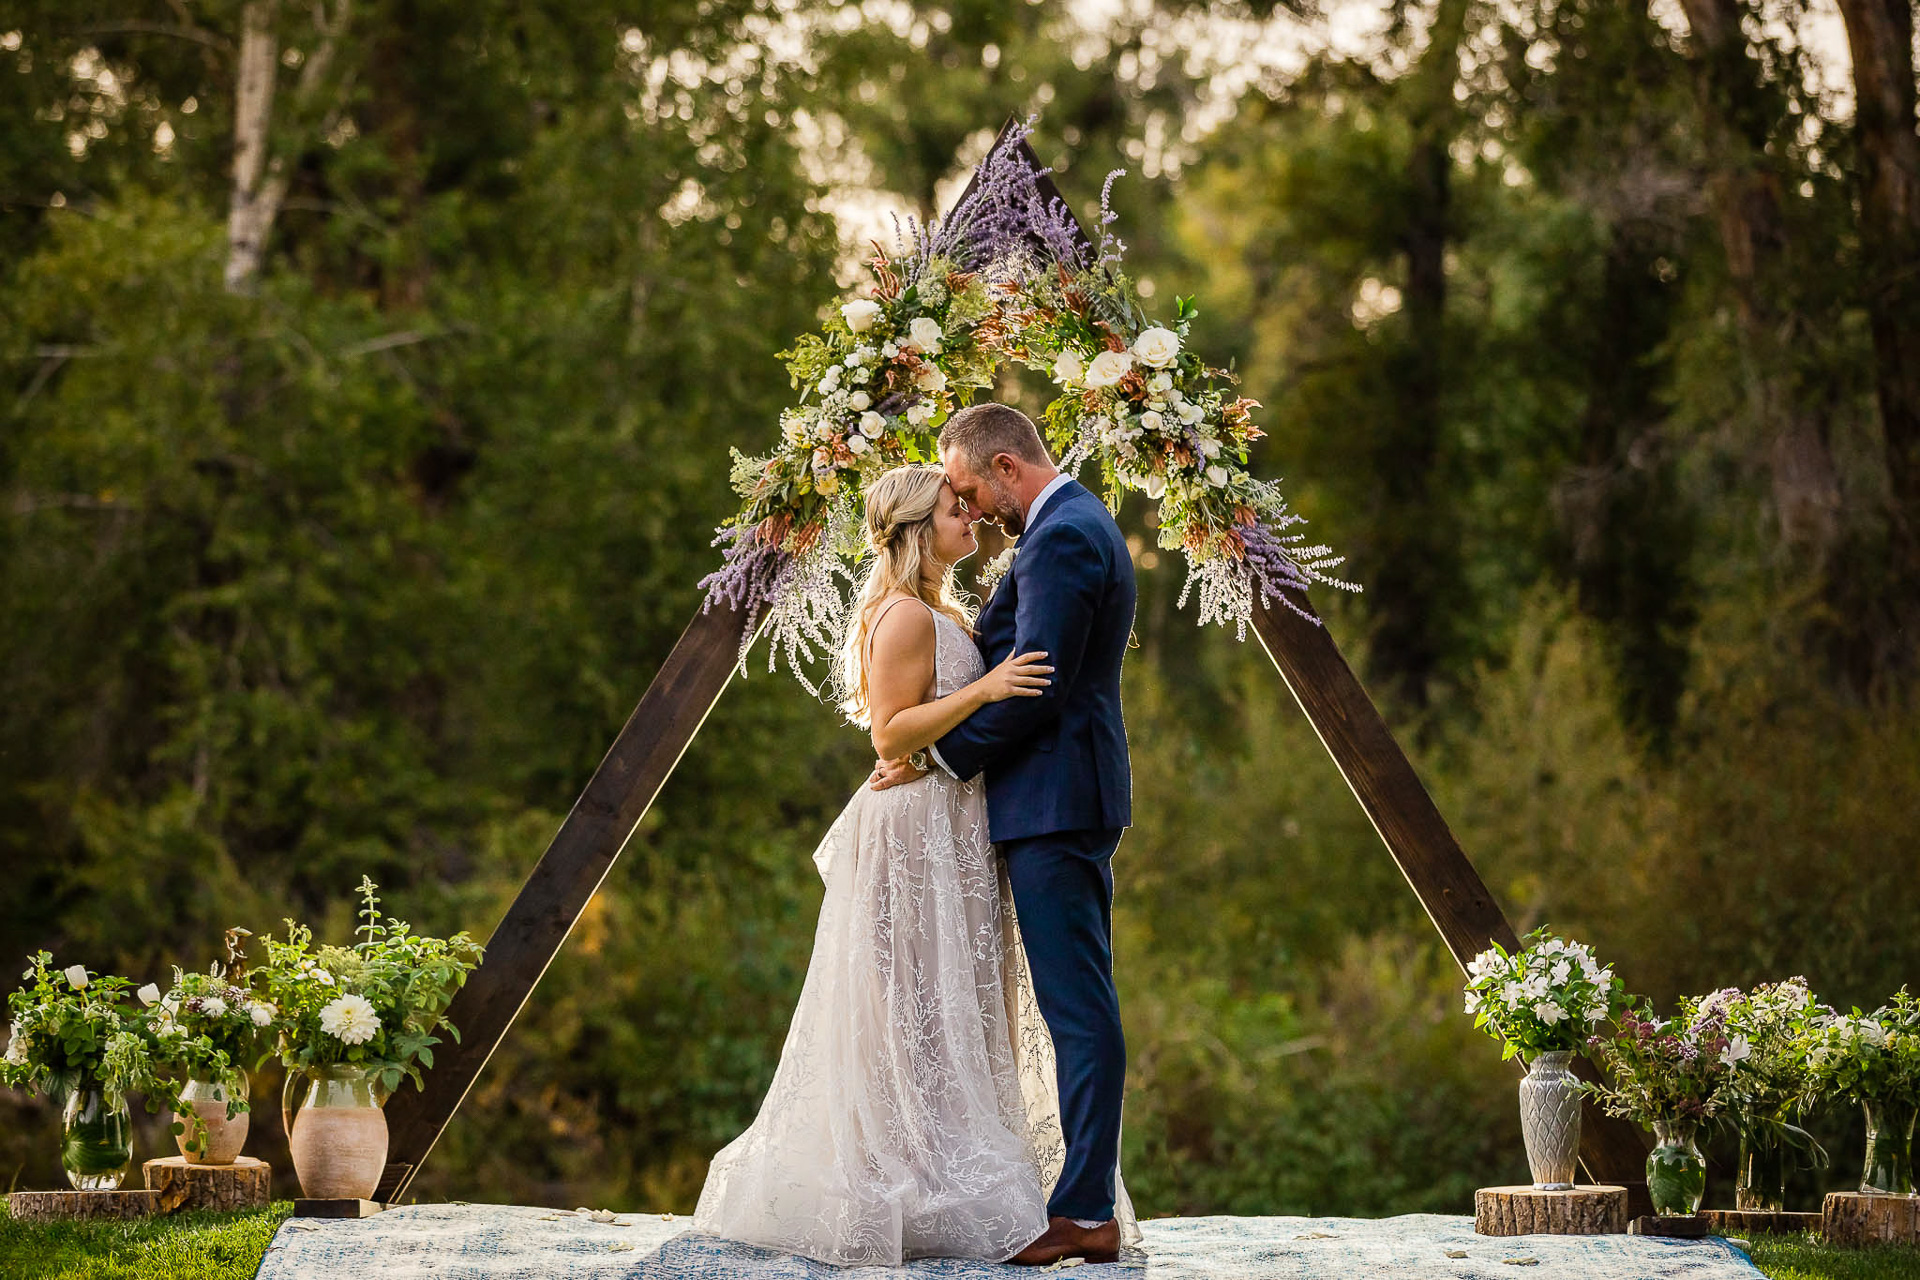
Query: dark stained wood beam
{"x": 569, "y": 872}
{"x": 1456, "y": 899}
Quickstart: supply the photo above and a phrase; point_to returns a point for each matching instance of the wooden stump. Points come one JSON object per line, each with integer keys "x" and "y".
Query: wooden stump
{"x": 51, "y": 1206}
{"x": 1675, "y": 1226}
{"x": 245, "y": 1184}
{"x": 1853, "y": 1219}
{"x": 1525, "y": 1211}
{"x": 1747, "y": 1222}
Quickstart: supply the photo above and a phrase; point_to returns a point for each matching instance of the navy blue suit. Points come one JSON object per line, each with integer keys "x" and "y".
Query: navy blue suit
{"x": 1059, "y": 793}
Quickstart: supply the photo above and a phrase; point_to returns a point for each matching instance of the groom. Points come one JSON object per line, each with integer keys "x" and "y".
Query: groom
{"x": 1059, "y": 792}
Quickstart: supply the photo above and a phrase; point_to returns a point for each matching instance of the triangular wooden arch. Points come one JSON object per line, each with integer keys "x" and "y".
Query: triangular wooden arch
{"x": 690, "y": 682}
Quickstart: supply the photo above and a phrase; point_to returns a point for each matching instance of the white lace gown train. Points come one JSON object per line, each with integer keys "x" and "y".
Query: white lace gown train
{"x": 914, "y": 1112}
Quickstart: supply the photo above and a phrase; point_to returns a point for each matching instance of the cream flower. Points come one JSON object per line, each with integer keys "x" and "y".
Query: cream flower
{"x": 872, "y": 425}
{"x": 212, "y": 1006}
{"x": 860, "y": 314}
{"x": 920, "y": 413}
{"x": 924, "y": 333}
{"x": 149, "y": 995}
{"x": 1108, "y": 368}
{"x": 930, "y": 378}
{"x": 1161, "y": 383}
{"x": 1217, "y": 476}
{"x": 261, "y": 1012}
{"x": 322, "y": 977}
{"x": 823, "y": 459}
{"x": 830, "y": 380}
{"x": 1157, "y": 347}
{"x": 77, "y": 975}
{"x": 1156, "y": 485}
{"x": 1151, "y": 421}
{"x": 1069, "y": 368}
{"x": 1549, "y": 1012}
{"x": 1190, "y": 413}
{"x": 859, "y": 400}
{"x": 349, "y": 1019}
{"x": 857, "y": 444}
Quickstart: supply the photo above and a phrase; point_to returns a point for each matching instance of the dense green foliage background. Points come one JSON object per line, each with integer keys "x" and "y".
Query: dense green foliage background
{"x": 358, "y": 568}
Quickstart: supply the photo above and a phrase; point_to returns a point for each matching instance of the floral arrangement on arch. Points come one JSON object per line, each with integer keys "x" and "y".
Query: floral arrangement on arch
{"x": 376, "y": 1004}
{"x": 1543, "y": 998}
{"x": 1008, "y": 275}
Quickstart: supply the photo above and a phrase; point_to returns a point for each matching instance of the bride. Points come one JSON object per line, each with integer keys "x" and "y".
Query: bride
{"x": 914, "y": 1111}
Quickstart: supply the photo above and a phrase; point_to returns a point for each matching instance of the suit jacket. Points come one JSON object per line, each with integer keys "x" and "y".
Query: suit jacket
{"x": 1057, "y": 762}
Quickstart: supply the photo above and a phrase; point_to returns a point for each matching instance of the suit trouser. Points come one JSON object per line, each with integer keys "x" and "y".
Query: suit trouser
{"x": 1063, "y": 895}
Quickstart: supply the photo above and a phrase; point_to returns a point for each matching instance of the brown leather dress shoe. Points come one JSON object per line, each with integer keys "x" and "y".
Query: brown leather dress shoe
{"x": 1064, "y": 1239}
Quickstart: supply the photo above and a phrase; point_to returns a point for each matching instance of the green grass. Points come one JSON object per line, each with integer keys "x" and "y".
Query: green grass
{"x": 1806, "y": 1258}
{"x": 187, "y": 1246}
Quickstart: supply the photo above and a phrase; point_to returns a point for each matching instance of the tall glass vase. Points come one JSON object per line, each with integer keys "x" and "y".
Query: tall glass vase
{"x": 1550, "y": 1120}
{"x": 96, "y": 1139}
{"x": 1889, "y": 1166}
{"x": 1762, "y": 1187}
{"x": 1676, "y": 1170}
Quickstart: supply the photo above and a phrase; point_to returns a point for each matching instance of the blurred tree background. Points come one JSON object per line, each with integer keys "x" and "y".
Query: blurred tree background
{"x": 371, "y": 367}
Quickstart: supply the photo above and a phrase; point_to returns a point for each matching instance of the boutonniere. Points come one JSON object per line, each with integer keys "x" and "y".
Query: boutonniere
{"x": 995, "y": 569}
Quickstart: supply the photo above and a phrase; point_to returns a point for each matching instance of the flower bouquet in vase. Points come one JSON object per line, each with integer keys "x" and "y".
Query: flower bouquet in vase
{"x": 1769, "y": 1032}
{"x": 1672, "y": 1076}
{"x": 353, "y": 1022}
{"x": 1874, "y": 1059}
{"x": 211, "y": 1026}
{"x": 1541, "y": 1002}
{"x": 79, "y": 1041}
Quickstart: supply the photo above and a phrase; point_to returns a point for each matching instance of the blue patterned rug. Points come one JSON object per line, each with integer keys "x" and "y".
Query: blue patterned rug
{"x": 498, "y": 1242}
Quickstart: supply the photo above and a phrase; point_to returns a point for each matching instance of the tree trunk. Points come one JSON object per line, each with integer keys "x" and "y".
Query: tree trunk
{"x": 258, "y": 186}
{"x": 1745, "y": 192}
{"x": 1880, "y": 35}
{"x": 1415, "y": 570}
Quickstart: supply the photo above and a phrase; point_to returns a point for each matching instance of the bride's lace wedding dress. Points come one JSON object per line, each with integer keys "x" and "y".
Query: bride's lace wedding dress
{"x": 914, "y": 1111}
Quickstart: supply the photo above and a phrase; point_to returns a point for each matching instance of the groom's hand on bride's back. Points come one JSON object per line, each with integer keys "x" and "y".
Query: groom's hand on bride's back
{"x": 892, "y": 773}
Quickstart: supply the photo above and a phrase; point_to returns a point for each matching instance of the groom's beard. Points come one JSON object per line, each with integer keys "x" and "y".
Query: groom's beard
{"x": 1004, "y": 509}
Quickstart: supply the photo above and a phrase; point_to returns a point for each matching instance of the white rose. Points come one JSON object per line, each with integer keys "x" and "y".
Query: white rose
{"x": 889, "y": 351}
{"x": 77, "y": 975}
{"x": 1217, "y": 476}
{"x": 350, "y": 1019}
{"x": 857, "y": 444}
{"x": 872, "y": 424}
{"x": 1108, "y": 368}
{"x": 1069, "y": 368}
{"x": 830, "y": 381}
{"x": 924, "y": 333}
{"x": 1160, "y": 384}
{"x": 929, "y": 378}
{"x": 1157, "y": 347}
{"x": 860, "y": 314}
{"x": 149, "y": 995}
{"x": 1151, "y": 421}
{"x": 919, "y": 413}
{"x": 859, "y": 400}
{"x": 1156, "y": 485}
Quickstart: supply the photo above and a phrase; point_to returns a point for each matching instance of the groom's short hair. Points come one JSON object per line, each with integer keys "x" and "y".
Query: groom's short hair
{"x": 980, "y": 432}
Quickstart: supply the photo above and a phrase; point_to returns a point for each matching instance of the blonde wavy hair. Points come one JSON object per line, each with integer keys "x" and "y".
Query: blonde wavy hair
{"x": 900, "y": 508}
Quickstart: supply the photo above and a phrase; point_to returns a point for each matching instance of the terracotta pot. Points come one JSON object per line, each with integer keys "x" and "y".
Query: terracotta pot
{"x": 339, "y": 1139}
{"x": 223, "y": 1138}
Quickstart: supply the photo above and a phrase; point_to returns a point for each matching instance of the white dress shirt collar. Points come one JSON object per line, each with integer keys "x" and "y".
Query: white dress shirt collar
{"x": 1040, "y": 499}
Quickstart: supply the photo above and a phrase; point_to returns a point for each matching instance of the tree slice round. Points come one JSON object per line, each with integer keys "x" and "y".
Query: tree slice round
{"x": 1854, "y": 1219}
{"x": 245, "y": 1184}
{"x": 50, "y": 1206}
{"x": 1525, "y": 1211}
